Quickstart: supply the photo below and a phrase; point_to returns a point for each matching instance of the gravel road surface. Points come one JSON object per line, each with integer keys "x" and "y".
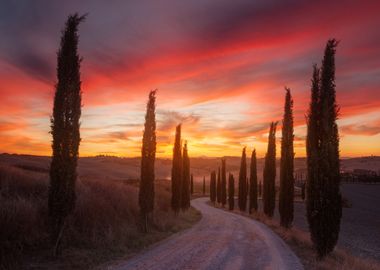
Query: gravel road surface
{"x": 221, "y": 240}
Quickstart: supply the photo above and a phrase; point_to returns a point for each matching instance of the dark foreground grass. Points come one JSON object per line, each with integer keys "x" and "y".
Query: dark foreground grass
{"x": 301, "y": 244}
{"x": 104, "y": 225}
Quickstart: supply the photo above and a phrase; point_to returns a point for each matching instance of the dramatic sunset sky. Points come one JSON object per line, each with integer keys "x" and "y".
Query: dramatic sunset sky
{"x": 220, "y": 68}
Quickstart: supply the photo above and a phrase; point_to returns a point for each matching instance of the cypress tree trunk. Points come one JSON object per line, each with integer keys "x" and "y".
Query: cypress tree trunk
{"x": 213, "y": 187}
{"x": 324, "y": 205}
{"x": 231, "y": 192}
{"x": 218, "y": 188}
{"x": 269, "y": 174}
{"x": 185, "y": 195}
{"x": 177, "y": 172}
{"x": 204, "y": 186}
{"x": 191, "y": 184}
{"x": 148, "y": 156}
{"x": 224, "y": 183}
{"x": 286, "y": 197}
{"x": 253, "y": 183}
{"x": 243, "y": 182}
{"x": 65, "y": 131}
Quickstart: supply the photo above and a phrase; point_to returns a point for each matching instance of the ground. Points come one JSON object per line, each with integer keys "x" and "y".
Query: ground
{"x": 221, "y": 240}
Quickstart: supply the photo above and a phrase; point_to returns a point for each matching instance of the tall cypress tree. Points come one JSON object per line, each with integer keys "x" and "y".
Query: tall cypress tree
{"x": 224, "y": 183}
{"x": 286, "y": 196}
{"x": 269, "y": 174}
{"x": 313, "y": 155}
{"x": 148, "y": 156}
{"x": 231, "y": 192}
{"x": 191, "y": 184}
{"x": 218, "y": 188}
{"x": 177, "y": 172}
{"x": 253, "y": 183}
{"x": 324, "y": 202}
{"x": 204, "y": 186}
{"x": 213, "y": 187}
{"x": 185, "y": 195}
{"x": 243, "y": 182}
{"x": 65, "y": 131}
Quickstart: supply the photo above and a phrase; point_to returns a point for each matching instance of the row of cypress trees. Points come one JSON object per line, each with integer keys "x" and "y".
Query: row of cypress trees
{"x": 323, "y": 200}
{"x": 248, "y": 189}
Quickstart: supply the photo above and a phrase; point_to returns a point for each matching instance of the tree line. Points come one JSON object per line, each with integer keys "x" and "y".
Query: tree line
{"x": 322, "y": 189}
{"x": 323, "y": 197}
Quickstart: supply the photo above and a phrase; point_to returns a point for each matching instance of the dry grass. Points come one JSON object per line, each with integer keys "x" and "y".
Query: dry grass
{"x": 104, "y": 225}
{"x": 301, "y": 244}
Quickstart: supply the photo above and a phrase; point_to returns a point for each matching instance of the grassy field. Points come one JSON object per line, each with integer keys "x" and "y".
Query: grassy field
{"x": 104, "y": 225}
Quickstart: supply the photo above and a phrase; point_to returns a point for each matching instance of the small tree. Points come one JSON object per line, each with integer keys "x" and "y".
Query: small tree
{"x": 191, "y": 184}
{"x": 253, "y": 183}
{"x": 243, "y": 182}
{"x": 269, "y": 194}
{"x": 185, "y": 195}
{"x": 65, "y": 131}
{"x": 231, "y": 192}
{"x": 218, "y": 188}
{"x": 204, "y": 186}
{"x": 177, "y": 172}
{"x": 224, "y": 183}
{"x": 213, "y": 187}
{"x": 286, "y": 196}
{"x": 260, "y": 189}
{"x": 148, "y": 156}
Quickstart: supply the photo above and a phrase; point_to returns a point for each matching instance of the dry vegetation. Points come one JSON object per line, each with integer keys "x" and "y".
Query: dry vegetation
{"x": 104, "y": 225}
{"x": 301, "y": 244}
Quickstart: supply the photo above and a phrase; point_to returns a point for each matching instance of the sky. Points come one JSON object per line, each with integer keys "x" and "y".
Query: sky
{"x": 220, "y": 68}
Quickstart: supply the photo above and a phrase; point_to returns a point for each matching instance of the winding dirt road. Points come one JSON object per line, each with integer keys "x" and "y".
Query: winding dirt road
{"x": 221, "y": 240}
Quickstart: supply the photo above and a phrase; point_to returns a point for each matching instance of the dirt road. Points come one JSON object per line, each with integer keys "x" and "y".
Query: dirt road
{"x": 221, "y": 240}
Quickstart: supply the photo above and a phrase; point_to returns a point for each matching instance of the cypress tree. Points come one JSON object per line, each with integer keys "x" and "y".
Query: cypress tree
{"x": 224, "y": 183}
{"x": 246, "y": 188}
{"x": 243, "y": 182}
{"x": 231, "y": 192}
{"x": 177, "y": 172}
{"x": 65, "y": 131}
{"x": 185, "y": 195}
{"x": 286, "y": 196}
{"x": 204, "y": 186}
{"x": 191, "y": 184}
{"x": 260, "y": 189}
{"x": 148, "y": 156}
{"x": 218, "y": 188}
{"x": 313, "y": 155}
{"x": 253, "y": 183}
{"x": 213, "y": 187}
{"x": 269, "y": 174}
{"x": 324, "y": 203}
